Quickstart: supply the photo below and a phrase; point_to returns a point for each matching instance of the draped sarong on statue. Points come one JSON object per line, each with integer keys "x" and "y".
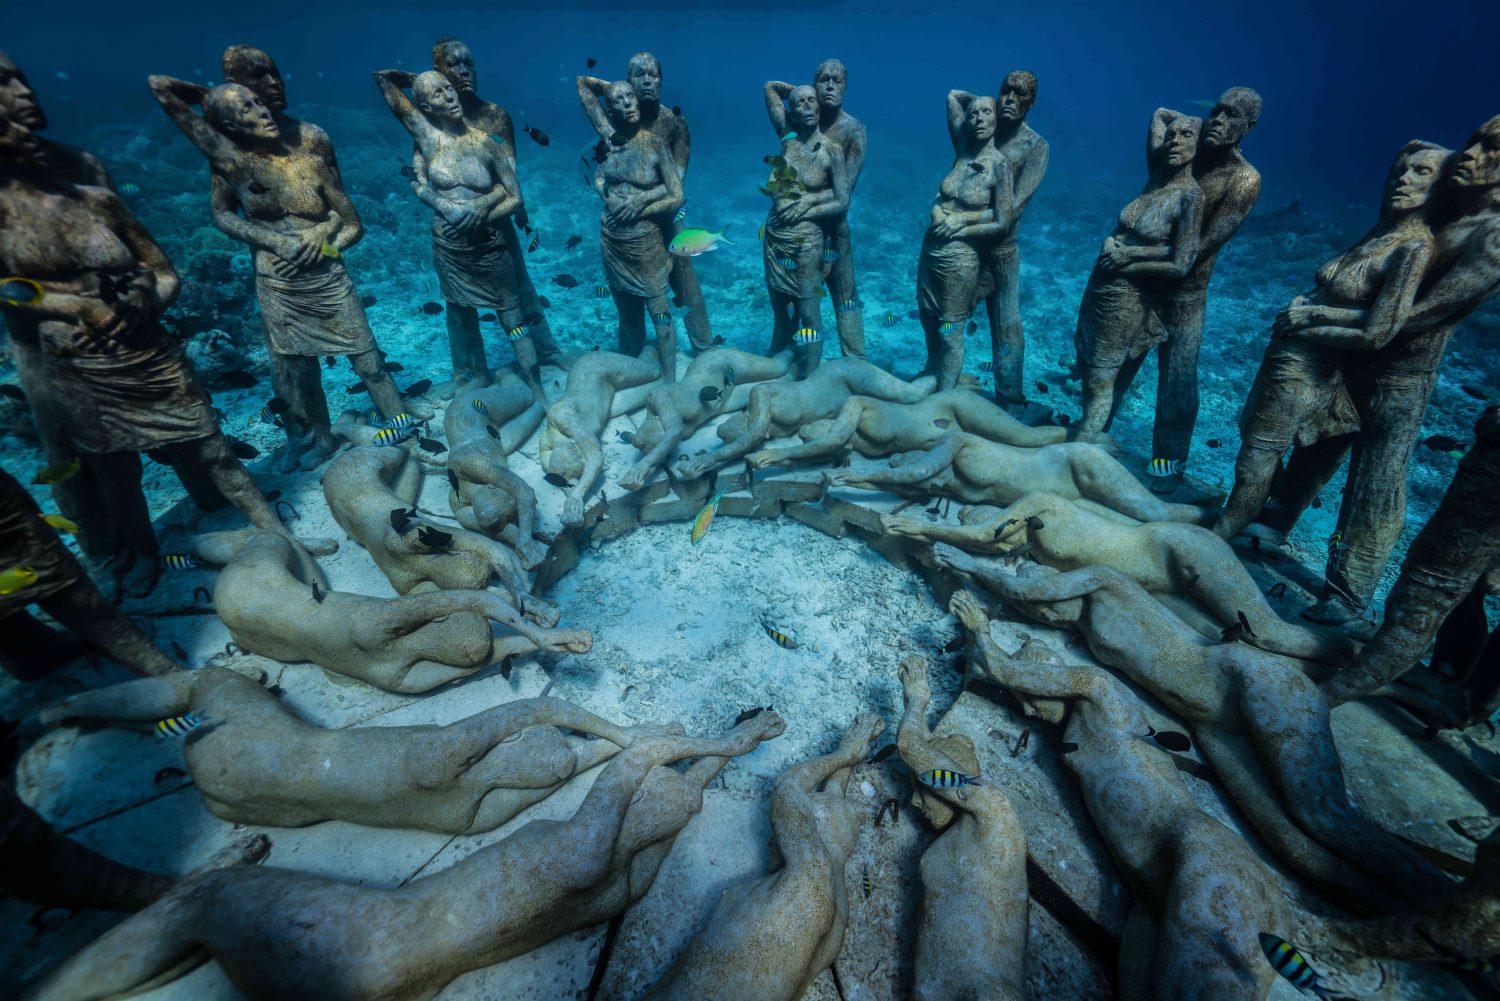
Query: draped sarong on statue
{"x": 794, "y": 259}
{"x": 475, "y": 269}
{"x": 315, "y": 312}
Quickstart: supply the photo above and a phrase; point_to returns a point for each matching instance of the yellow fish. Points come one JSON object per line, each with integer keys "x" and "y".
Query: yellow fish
{"x": 21, "y": 291}
{"x": 706, "y": 518}
{"x": 16, "y": 578}
{"x": 330, "y": 251}
{"x": 60, "y": 523}
{"x": 59, "y": 471}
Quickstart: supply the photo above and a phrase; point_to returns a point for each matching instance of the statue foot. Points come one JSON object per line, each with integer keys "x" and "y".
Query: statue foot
{"x": 913, "y": 675}
{"x": 287, "y": 457}
{"x": 693, "y": 469}
{"x": 969, "y": 612}
{"x": 1333, "y": 610}
{"x": 1164, "y": 486}
{"x": 635, "y": 477}
{"x": 763, "y": 726}
{"x": 532, "y": 554}
{"x": 865, "y": 728}
{"x": 570, "y": 641}
{"x": 140, "y": 579}
{"x": 419, "y": 408}
{"x": 953, "y": 558}
{"x": 318, "y": 453}
{"x": 246, "y": 850}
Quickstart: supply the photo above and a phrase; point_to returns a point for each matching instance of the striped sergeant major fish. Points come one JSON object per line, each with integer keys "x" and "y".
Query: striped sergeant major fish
{"x": 517, "y": 333}
{"x": 780, "y": 638}
{"x": 176, "y": 561}
{"x": 681, "y": 212}
{"x": 1289, "y": 964}
{"x": 389, "y": 436}
{"x": 807, "y": 335}
{"x": 1166, "y": 467}
{"x": 181, "y": 726}
{"x": 850, "y": 306}
{"x": 402, "y": 422}
{"x": 943, "y": 778}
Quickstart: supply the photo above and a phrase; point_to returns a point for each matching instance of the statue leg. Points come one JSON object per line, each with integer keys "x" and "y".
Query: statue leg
{"x": 1296, "y": 485}
{"x": 231, "y": 477}
{"x": 120, "y": 472}
{"x": 531, "y": 302}
{"x": 30, "y": 650}
{"x": 82, "y": 610}
{"x": 783, "y": 324}
{"x": 810, "y": 315}
{"x": 383, "y": 392}
{"x": 666, "y": 336}
{"x": 1137, "y": 954}
{"x": 1099, "y": 477}
{"x": 631, "y": 336}
{"x": 466, "y": 345}
{"x": 289, "y": 382}
{"x": 848, "y": 310}
{"x": 1007, "y": 341}
{"x": 683, "y": 281}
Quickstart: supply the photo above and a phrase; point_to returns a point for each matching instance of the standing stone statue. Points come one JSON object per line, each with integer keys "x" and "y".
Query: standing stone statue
{"x": 971, "y": 213}
{"x": 1026, "y": 154}
{"x": 453, "y": 59}
{"x": 847, "y": 133}
{"x": 115, "y": 380}
{"x": 1157, "y": 237}
{"x": 468, "y": 183}
{"x": 1230, "y": 187}
{"x": 668, "y": 125}
{"x": 288, "y": 203}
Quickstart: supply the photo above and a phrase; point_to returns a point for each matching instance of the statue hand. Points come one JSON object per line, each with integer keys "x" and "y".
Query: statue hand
{"x": 103, "y": 323}
{"x": 299, "y": 250}
{"x": 946, "y": 228}
{"x": 1290, "y": 320}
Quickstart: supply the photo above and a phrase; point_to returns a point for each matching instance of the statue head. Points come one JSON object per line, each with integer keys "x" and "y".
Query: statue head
{"x": 643, "y": 73}
{"x": 436, "y": 96}
{"x": 493, "y": 508}
{"x": 1478, "y": 165}
{"x": 564, "y": 458}
{"x": 1179, "y": 144}
{"x": 960, "y": 751}
{"x": 254, "y": 68}
{"x": 19, "y": 146}
{"x": 453, "y": 59}
{"x": 649, "y": 434}
{"x": 1236, "y": 114}
{"x": 802, "y": 107}
{"x": 236, "y": 111}
{"x": 980, "y": 119}
{"x": 831, "y": 79}
{"x": 1413, "y": 176}
{"x": 18, "y": 102}
{"x": 622, "y": 104}
{"x": 1017, "y": 95}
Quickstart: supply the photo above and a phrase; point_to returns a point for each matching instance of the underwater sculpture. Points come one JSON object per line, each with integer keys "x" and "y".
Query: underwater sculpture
{"x": 37, "y": 569}
{"x": 977, "y": 470}
{"x": 569, "y": 446}
{"x": 876, "y": 428}
{"x": 841, "y": 129}
{"x": 974, "y": 922}
{"x": 717, "y": 382}
{"x": 372, "y": 491}
{"x": 780, "y": 408}
{"x": 256, "y": 762}
{"x": 1156, "y": 237}
{"x": 668, "y": 125}
{"x": 801, "y": 223}
{"x": 1232, "y": 695}
{"x": 111, "y": 376}
{"x": 452, "y": 59}
{"x": 641, "y": 187}
{"x": 1025, "y": 153}
{"x": 472, "y": 189}
{"x": 1390, "y": 387}
{"x": 972, "y": 211}
{"x": 1447, "y": 561}
{"x": 1201, "y": 895}
{"x": 771, "y": 937}
{"x": 1163, "y": 557}
{"x": 286, "y": 935}
{"x": 288, "y": 203}
{"x": 483, "y": 493}
{"x": 277, "y": 603}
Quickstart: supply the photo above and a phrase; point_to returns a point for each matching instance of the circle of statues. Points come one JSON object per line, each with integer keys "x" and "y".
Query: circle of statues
{"x": 1051, "y": 525}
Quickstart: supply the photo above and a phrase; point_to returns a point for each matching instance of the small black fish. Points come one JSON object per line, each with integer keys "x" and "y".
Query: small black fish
{"x": 557, "y": 481}
{"x": 177, "y": 650}
{"x": 432, "y": 308}
{"x": 277, "y": 405}
{"x": 1034, "y": 523}
{"x": 1067, "y": 747}
{"x": 203, "y": 591}
{"x": 709, "y": 394}
{"x": 431, "y": 445}
{"x": 453, "y": 480}
{"x": 1000, "y": 528}
{"x": 493, "y": 433}
{"x": 1277, "y": 589}
{"x": 330, "y": 361}
{"x": 718, "y": 338}
{"x": 407, "y": 172}
{"x": 367, "y": 301}
{"x": 882, "y": 754}
{"x": 243, "y": 449}
{"x": 1214, "y": 443}
{"x": 1443, "y": 443}
{"x": 1475, "y": 392}
{"x": 488, "y": 318}
{"x": 1317, "y": 502}
{"x": 168, "y": 773}
{"x": 1042, "y": 387}
{"x": 434, "y": 538}
{"x": 592, "y": 62}
{"x": 628, "y": 437}
{"x": 955, "y": 644}
{"x": 573, "y": 241}
{"x": 1245, "y": 623}
{"x": 394, "y": 366}
{"x": 973, "y": 326}
{"x": 1233, "y": 633}
{"x": 357, "y": 388}
{"x": 400, "y": 516}
{"x": 238, "y": 378}
{"x": 537, "y": 135}
{"x": 546, "y": 303}
{"x": 750, "y": 714}
{"x": 1170, "y": 739}
{"x": 976, "y": 166}
{"x": 565, "y": 281}
{"x": 1023, "y": 550}
{"x": 14, "y": 392}
{"x": 1021, "y": 742}
{"x": 318, "y": 594}
{"x": 417, "y": 388}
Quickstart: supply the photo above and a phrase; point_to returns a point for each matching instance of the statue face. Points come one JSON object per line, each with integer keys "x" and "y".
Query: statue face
{"x": 1226, "y": 126}
{"x": 18, "y": 101}
{"x": 830, "y": 85}
{"x": 457, "y": 64}
{"x": 624, "y": 107}
{"x": 1412, "y": 179}
{"x": 804, "y": 102}
{"x": 241, "y": 114}
{"x": 644, "y": 78}
{"x": 1478, "y": 166}
{"x": 981, "y": 119}
{"x": 258, "y": 71}
{"x": 437, "y": 97}
{"x": 1181, "y": 141}
{"x": 1012, "y": 104}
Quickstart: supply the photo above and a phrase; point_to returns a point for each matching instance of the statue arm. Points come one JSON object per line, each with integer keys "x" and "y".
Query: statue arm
{"x": 932, "y": 462}
{"x": 839, "y": 434}
{"x": 350, "y": 229}
{"x": 776, "y": 94}
{"x": 681, "y": 145}
{"x": 145, "y": 700}
{"x": 1036, "y": 680}
{"x": 162, "y": 281}
{"x": 1000, "y": 218}
{"x": 836, "y": 201}
{"x": 391, "y": 83}
{"x": 1156, "y": 134}
{"x": 854, "y": 156}
{"x": 229, "y": 221}
{"x": 591, "y": 95}
{"x": 667, "y": 196}
{"x": 1232, "y": 213}
{"x": 1033, "y": 167}
{"x": 176, "y": 98}
{"x": 958, "y": 110}
{"x": 1186, "y": 239}
{"x": 1454, "y": 294}
{"x": 1383, "y": 319}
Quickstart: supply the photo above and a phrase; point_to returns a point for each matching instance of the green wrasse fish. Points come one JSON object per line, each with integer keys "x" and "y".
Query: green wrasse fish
{"x": 59, "y": 471}
{"x": 706, "y": 518}
{"x": 64, "y": 525}
{"x": 16, "y": 578}
{"x": 692, "y": 242}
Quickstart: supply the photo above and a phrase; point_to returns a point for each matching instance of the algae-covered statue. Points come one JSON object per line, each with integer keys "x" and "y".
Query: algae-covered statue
{"x": 836, "y": 126}
{"x": 471, "y": 187}
{"x": 93, "y": 287}
{"x": 809, "y": 188}
{"x": 1201, "y": 895}
{"x": 1258, "y": 717}
{"x": 281, "y": 194}
{"x": 257, "y": 763}
{"x": 279, "y": 934}
{"x": 973, "y": 926}
{"x": 452, "y": 59}
{"x": 641, "y": 187}
{"x": 670, "y": 126}
{"x": 483, "y": 427}
{"x": 973, "y": 210}
{"x": 1156, "y": 237}
{"x": 770, "y": 938}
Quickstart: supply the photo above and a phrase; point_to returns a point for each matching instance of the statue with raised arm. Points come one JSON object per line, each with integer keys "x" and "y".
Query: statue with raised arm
{"x": 289, "y": 205}
{"x": 1156, "y": 237}
{"x": 669, "y": 126}
{"x": 106, "y": 371}
{"x": 465, "y": 777}
{"x": 977, "y": 470}
{"x": 837, "y": 126}
{"x": 471, "y": 187}
{"x": 453, "y": 59}
{"x": 1201, "y": 896}
{"x": 1258, "y": 717}
{"x": 972, "y": 211}
{"x": 974, "y": 922}
{"x": 641, "y": 187}
{"x": 483, "y": 427}
{"x": 770, "y": 938}
{"x": 279, "y": 934}
{"x": 809, "y": 188}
